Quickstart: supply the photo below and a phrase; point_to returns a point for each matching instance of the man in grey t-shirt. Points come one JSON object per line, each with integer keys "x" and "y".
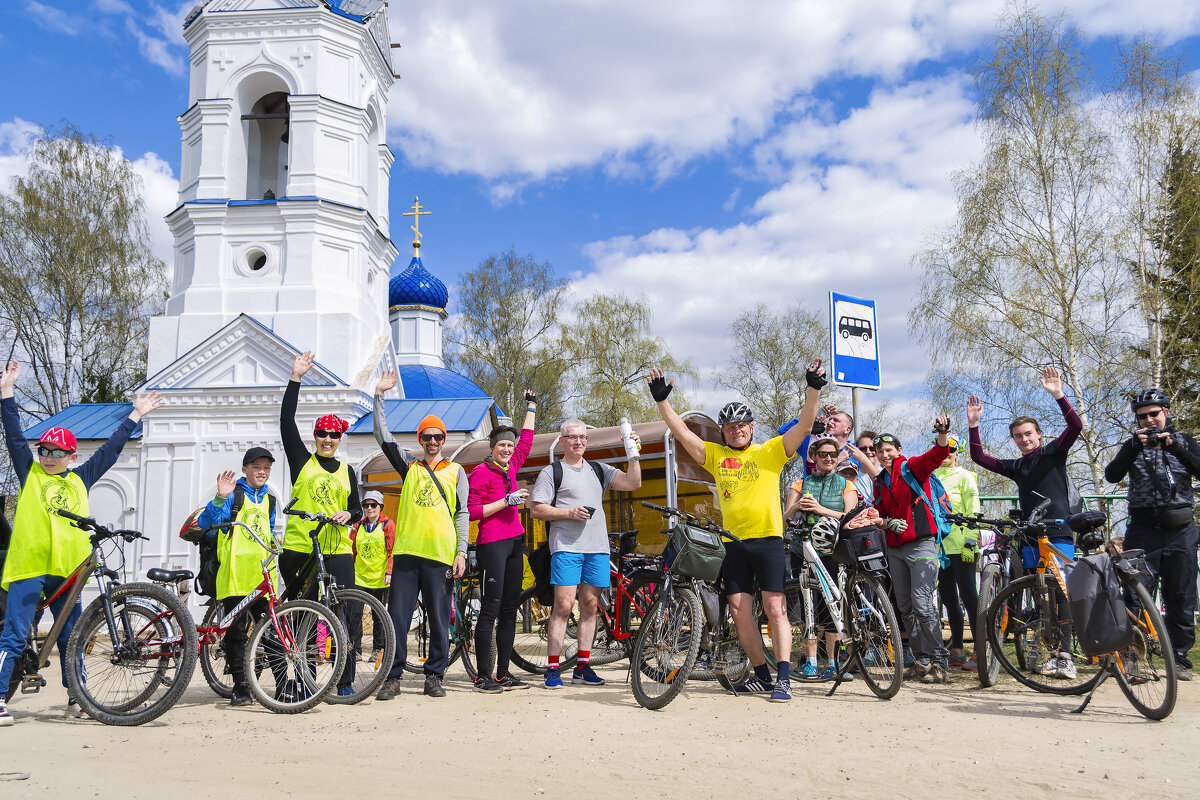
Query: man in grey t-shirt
{"x": 578, "y": 544}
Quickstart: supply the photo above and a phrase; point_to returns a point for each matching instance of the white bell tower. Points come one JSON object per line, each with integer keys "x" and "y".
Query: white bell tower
{"x": 283, "y": 192}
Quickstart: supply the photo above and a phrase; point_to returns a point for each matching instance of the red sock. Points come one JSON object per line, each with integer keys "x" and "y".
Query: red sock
{"x": 553, "y": 662}
{"x": 582, "y": 660}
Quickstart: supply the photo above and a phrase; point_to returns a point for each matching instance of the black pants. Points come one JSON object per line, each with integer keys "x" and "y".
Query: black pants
{"x": 295, "y": 568}
{"x": 957, "y": 588}
{"x": 355, "y": 610}
{"x": 501, "y": 571}
{"x": 413, "y": 575}
{"x": 234, "y": 642}
{"x": 1171, "y": 558}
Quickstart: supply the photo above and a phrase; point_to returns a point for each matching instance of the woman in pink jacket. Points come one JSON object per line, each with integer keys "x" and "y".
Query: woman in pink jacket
{"x": 494, "y": 500}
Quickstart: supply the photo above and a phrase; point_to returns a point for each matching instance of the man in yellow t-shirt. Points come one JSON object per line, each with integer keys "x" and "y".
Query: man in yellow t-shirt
{"x": 747, "y": 477}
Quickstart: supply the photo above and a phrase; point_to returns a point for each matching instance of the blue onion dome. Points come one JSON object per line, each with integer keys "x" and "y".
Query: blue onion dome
{"x": 416, "y": 286}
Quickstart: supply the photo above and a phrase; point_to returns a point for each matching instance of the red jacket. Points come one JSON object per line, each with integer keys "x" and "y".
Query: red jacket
{"x": 894, "y": 498}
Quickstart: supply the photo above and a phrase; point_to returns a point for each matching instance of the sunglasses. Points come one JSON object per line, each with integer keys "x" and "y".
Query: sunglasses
{"x": 320, "y": 434}
{"x": 432, "y": 437}
{"x": 371, "y": 504}
{"x": 1149, "y": 414}
{"x": 826, "y": 454}
{"x": 55, "y": 453}
{"x": 886, "y": 439}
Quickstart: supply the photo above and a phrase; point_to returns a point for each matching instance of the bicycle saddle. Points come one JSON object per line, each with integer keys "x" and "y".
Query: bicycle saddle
{"x": 159, "y": 575}
{"x": 1086, "y": 521}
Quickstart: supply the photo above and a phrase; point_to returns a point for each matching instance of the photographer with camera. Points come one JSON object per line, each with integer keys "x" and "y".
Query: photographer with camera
{"x": 1161, "y": 463}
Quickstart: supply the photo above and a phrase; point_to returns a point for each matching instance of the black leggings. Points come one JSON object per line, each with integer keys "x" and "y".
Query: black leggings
{"x": 956, "y": 582}
{"x": 293, "y": 571}
{"x": 501, "y": 570}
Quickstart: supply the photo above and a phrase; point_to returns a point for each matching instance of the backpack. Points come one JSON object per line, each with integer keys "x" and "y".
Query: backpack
{"x": 939, "y": 505}
{"x": 210, "y": 562}
{"x": 556, "y": 470}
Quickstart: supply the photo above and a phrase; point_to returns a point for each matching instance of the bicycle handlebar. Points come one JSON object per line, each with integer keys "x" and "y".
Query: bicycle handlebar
{"x": 100, "y": 532}
{"x": 311, "y": 516}
{"x": 702, "y": 522}
{"x": 229, "y": 532}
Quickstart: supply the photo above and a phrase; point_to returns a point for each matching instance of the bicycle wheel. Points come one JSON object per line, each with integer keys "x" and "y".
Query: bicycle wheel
{"x": 1146, "y": 669}
{"x": 365, "y": 677}
{"x": 606, "y": 647}
{"x": 991, "y": 579}
{"x": 530, "y": 646}
{"x": 463, "y": 630}
{"x": 666, "y": 647}
{"x": 212, "y": 656}
{"x": 731, "y": 665}
{"x": 793, "y": 597}
{"x": 873, "y": 634}
{"x": 1040, "y": 625}
{"x": 304, "y": 648}
{"x": 139, "y": 677}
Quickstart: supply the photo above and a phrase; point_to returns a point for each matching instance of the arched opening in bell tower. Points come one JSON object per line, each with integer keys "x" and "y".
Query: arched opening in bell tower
{"x": 267, "y": 146}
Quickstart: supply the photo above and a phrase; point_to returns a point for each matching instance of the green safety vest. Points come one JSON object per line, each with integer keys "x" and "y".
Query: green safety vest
{"x": 241, "y": 557}
{"x": 370, "y": 568}
{"x": 321, "y": 492}
{"x": 43, "y": 543}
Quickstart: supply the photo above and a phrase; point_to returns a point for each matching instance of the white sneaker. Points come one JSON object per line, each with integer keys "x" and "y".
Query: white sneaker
{"x": 74, "y": 710}
{"x": 1065, "y": 667}
{"x": 5, "y": 717}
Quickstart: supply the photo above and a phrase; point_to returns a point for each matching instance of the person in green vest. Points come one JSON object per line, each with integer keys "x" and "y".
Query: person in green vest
{"x": 247, "y": 500}
{"x": 957, "y": 582}
{"x": 373, "y": 539}
{"x": 431, "y": 535}
{"x": 320, "y": 484}
{"x": 46, "y": 548}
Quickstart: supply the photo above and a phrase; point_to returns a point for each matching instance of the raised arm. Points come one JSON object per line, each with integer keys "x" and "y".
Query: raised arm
{"x": 293, "y": 446}
{"x": 398, "y": 458}
{"x": 660, "y": 389}
{"x": 974, "y": 415}
{"x": 815, "y": 377}
{"x": 1052, "y": 383}
{"x": 14, "y": 437}
{"x": 102, "y": 460}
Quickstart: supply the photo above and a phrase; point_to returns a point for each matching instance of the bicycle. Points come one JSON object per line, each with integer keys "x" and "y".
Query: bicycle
{"x": 283, "y": 644}
{"x": 133, "y": 650}
{"x": 668, "y": 642}
{"x": 633, "y": 585}
{"x": 356, "y": 684}
{"x": 859, "y": 611}
{"x": 1001, "y": 562}
{"x": 1145, "y": 670}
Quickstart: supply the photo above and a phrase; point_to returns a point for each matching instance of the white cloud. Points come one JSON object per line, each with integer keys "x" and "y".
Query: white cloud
{"x": 849, "y": 226}
{"x": 53, "y": 19}
{"x": 525, "y": 89}
{"x": 167, "y": 48}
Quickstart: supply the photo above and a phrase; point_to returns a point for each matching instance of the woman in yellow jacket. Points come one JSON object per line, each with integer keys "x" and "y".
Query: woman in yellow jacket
{"x": 957, "y": 582}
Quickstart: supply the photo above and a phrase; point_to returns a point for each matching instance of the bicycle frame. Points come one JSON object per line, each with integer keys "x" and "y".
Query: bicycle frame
{"x": 814, "y": 572}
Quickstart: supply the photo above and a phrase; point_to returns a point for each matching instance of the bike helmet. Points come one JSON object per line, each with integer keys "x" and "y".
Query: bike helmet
{"x": 956, "y": 442}
{"x": 1150, "y": 397}
{"x": 735, "y": 412}
{"x": 824, "y": 535}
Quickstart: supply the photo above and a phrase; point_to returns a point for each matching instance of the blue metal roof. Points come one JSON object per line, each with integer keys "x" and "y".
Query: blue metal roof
{"x": 403, "y": 416}
{"x": 431, "y": 383}
{"x": 87, "y": 421}
{"x": 416, "y": 286}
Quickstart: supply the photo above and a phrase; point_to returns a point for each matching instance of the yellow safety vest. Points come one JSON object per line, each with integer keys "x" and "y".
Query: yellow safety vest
{"x": 319, "y": 492}
{"x": 425, "y": 522}
{"x": 43, "y": 543}
{"x": 240, "y": 556}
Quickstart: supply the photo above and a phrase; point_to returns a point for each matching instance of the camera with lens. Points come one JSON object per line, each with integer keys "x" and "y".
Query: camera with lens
{"x": 1152, "y": 435}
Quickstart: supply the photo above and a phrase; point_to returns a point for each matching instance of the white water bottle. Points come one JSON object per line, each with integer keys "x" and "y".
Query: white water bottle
{"x": 632, "y": 448}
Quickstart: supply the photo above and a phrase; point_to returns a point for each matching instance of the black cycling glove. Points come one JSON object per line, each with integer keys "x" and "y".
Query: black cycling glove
{"x": 530, "y": 397}
{"x": 659, "y": 389}
{"x": 814, "y": 379}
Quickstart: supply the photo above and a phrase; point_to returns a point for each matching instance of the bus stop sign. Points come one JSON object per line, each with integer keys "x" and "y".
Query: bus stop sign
{"x": 853, "y": 333}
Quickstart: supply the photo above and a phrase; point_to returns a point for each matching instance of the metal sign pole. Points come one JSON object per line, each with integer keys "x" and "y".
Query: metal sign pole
{"x": 854, "y": 405}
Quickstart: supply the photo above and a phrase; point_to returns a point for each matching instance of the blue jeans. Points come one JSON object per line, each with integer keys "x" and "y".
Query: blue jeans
{"x": 23, "y": 599}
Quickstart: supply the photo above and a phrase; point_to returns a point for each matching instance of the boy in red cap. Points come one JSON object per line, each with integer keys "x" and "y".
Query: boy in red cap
{"x": 45, "y": 547}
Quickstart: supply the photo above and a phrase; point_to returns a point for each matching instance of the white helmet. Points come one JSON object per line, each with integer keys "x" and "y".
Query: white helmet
{"x": 824, "y": 535}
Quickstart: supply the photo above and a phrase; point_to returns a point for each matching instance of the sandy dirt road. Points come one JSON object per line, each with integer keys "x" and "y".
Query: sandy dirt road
{"x": 929, "y": 741}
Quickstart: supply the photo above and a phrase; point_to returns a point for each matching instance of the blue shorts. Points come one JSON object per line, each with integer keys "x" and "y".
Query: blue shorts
{"x": 1030, "y": 554}
{"x": 572, "y": 569}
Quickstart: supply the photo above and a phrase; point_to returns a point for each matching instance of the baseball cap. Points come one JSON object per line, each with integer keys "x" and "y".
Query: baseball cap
{"x": 61, "y": 438}
{"x": 255, "y": 453}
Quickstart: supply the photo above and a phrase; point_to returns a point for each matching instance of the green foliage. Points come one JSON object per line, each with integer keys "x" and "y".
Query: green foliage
{"x": 504, "y": 334}
{"x": 80, "y": 280}
{"x": 612, "y": 351}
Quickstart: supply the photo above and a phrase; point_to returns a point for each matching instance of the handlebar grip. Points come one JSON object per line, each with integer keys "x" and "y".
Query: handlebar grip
{"x": 287, "y": 509}
{"x": 70, "y": 516}
{"x": 657, "y": 507}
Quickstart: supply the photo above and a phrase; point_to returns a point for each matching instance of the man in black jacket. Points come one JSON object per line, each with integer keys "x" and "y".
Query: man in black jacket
{"x": 1161, "y": 463}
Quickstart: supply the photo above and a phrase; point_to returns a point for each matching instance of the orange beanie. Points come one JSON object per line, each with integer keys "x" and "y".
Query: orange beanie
{"x": 432, "y": 421}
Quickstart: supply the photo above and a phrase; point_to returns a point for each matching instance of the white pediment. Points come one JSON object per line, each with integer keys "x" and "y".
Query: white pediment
{"x": 242, "y": 354}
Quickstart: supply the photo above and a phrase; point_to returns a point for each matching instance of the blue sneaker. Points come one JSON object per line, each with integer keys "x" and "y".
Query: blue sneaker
{"x": 828, "y": 674}
{"x": 754, "y": 686}
{"x": 783, "y": 691}
{"x": 586, "y": 677}
{"x": 808, "y": 671}
{"x": 345, "y": 691}
{"x": 553, "y": 679}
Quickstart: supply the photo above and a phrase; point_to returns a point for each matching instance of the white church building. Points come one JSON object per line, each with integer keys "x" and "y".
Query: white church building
{"x": 281, "y": 245}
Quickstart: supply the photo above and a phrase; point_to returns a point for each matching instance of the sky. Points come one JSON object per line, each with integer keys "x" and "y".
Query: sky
{"x": 707, "y": 155}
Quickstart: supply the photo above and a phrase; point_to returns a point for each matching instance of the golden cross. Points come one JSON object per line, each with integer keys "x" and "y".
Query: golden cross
{"x": 416, "y": 214}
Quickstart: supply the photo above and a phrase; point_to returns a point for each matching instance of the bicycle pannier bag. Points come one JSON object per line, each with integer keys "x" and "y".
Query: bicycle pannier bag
{"x": 861, "y": 547}
{"x": 539, "y": 565}
{"x": 698, "y": 553}
{"x": 1098, "y": 606}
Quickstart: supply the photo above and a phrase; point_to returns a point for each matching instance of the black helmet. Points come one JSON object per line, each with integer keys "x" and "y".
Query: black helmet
{"x": 734, "y": 412}
{"x": 1150, "y": 397}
